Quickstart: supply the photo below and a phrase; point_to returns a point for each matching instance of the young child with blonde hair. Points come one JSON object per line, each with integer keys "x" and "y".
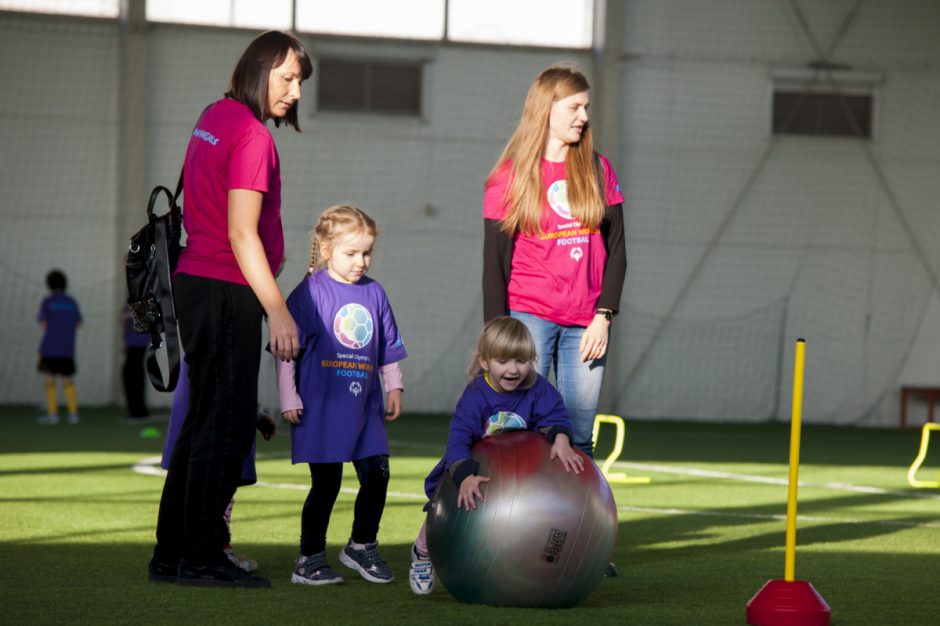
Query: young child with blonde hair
{"x": 332, "y": 397}
{"x": 505, "y": 393}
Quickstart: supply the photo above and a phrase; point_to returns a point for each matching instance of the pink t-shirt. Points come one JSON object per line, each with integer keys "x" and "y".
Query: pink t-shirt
{"x": 556, "y": 275}
{"x": 229, "y": 149}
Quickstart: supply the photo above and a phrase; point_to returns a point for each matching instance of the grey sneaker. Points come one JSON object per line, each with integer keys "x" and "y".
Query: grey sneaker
{"x": 420, "y": 574}
{"x": 241, "y": 561}
{"x": 314, "y": 570}
{"x": 47, "y": 420}
{"x": 368, "y": 562}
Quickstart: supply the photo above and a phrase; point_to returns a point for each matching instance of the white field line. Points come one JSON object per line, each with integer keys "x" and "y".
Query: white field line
{"x": 835, "y": 486}
{"x": 151, "y": 466}
{"x": 776, "y": 517}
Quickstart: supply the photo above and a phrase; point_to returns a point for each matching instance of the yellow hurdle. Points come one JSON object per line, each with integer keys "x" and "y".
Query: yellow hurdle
{"x": 615, "y": 477}
{"x": 924, "y": 441}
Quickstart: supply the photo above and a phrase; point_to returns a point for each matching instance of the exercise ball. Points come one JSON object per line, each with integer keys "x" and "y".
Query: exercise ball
{"x": 541, "y": 537}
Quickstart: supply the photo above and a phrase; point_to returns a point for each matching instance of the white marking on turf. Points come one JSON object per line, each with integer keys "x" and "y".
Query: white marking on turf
{"x": 834, "y": 486}
{"x": 776, "y": 517}
{"x": 151, "y": 467}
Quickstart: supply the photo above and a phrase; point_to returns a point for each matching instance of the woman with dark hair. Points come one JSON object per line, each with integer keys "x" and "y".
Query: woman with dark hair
{"x": 224, "y": 285}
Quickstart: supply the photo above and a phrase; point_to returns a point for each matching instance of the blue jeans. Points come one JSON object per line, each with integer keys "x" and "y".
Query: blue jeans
{"x": 578, "y": 382}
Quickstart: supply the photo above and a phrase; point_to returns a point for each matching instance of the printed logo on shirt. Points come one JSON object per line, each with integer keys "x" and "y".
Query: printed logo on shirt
{"x": 501, "y": 422}
{"x": 576, "y": 253}
{"x": 557, "y": 196}
{"x": 355, "y": 388}
{"x": 350, "y": 365}
{"x": 353, "y": 326}
{"x": 205, "y": 136}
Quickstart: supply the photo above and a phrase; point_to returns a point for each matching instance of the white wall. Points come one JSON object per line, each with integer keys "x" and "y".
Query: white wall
{"x": 812, "y": 246}
{"x": 810, "y": 221}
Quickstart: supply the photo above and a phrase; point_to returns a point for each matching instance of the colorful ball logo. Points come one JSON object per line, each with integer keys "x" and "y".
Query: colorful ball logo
{"x": 353, "y": 326}
{"x": 502, "y": 422}
{"x": 557, "y": 196}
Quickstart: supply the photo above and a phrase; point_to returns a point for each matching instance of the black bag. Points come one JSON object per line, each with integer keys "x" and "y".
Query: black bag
{"x": 151, "y": 260}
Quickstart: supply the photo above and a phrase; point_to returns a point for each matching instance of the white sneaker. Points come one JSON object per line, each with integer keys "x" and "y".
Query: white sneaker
{"x": 420, "y": 574}
{"x": 74, "y": 419}
{"x": 241, "y": 561}
{"x": 47, "y": 420}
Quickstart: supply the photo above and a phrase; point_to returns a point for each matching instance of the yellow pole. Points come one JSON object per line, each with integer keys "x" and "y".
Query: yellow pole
{"x": 795, "y": 419}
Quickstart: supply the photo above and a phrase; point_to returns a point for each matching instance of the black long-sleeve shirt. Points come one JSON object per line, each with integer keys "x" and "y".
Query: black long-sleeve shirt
{"x": 497, "y": 264}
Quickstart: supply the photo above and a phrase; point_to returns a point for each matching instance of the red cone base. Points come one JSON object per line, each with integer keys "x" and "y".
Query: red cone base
{"x": 782, "y": 603}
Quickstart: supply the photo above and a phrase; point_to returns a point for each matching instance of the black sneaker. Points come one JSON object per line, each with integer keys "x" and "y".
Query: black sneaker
{"x": 163, "y": 571}
{"x": 367, "y": 561}
{"x": 314, "y": 570}
{"x": 219, "y": 575}
{"x": 611, "y": 570}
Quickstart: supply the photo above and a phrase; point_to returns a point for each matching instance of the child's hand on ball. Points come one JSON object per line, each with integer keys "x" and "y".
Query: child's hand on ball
{"x": 470, "y": 490}
{"x": 563, "y": 451}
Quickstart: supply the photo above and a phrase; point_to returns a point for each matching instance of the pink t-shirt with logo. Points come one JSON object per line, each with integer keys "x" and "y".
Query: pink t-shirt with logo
{"x": 556, "y": 275}
{"x": 229, "y": 149}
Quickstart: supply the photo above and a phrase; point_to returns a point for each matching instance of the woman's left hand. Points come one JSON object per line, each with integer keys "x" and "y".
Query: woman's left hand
{"x": 594, "y": 340}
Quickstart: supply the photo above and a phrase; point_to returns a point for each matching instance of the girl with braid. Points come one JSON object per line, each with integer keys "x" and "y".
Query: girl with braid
{"x": 332, "y": 397}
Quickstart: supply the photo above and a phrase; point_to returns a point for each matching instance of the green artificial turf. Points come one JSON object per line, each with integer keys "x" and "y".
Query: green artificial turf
{"x": 77, "y": 524}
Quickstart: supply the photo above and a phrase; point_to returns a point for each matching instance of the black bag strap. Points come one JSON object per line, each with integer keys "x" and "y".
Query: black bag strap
{"x": 164, "y": 294}
{"x": 179, "y": 189}
{"x": 179, "y": 183}
{"x": 164, "y": 290}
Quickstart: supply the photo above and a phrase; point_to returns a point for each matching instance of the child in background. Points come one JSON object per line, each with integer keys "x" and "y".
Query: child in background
{"x": 266, "y": 426}
{"x": 331, "y": 393}
{"x": 59, "y": 318}
{"x": 505, "y": 393}
{"x": 133, "y": 373}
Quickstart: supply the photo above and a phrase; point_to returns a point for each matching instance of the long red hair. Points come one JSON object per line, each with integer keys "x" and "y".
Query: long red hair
{"x": 523, "y": 153}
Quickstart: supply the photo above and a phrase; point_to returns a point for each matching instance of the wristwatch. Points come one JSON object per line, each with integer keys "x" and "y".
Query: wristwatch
{"x": 607, "y": 313}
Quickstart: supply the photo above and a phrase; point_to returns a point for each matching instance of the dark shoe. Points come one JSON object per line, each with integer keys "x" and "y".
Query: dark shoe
{"x": 314, "y": 570}
{"x": 219, "y": 575}
{"x": 163, "y": 571}
{"x": 611, "y": 570}
{"x": 367, "y": 561}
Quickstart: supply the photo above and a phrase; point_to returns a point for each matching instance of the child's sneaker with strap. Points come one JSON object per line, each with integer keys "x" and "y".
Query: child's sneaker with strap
{"x": 314, "y": 570}
{"x": 241, "y": 561}
{"x": 420, "y": 573}
{"x": 365, "y": 559}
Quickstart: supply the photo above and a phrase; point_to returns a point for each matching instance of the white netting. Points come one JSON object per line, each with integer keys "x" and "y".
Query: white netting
{"x": 738, "y": 243}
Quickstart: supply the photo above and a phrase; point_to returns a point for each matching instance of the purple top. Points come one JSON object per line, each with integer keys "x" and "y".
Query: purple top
{"x": 482, "y": 411}
{"x": 347, "y": 331}
{"x": 61, "y": 315}
{"x": 132, "y": 338}
{"x": 178, "y": 412}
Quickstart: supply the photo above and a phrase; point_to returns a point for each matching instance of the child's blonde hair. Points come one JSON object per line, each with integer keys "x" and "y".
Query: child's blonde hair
{"x": 338, "y": 220}
{"x": 504, "y": 338}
